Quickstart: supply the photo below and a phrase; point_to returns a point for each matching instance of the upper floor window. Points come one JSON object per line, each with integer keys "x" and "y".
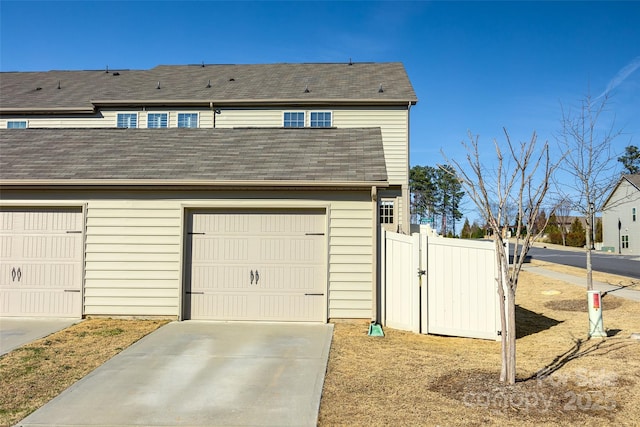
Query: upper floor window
{"x": 157, "y": 120}
{"x": 17, "y": 124}
{"x": 187, "y": 120}
{"x": 320, "y": 119}
{"x": 127, "y": 120}
{"x": 293, "y": 119}
{"x": 633, "y": 214}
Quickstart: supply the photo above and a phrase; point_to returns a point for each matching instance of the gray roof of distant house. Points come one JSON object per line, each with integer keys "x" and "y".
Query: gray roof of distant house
{"x": 192, "y": 155}
{"x": 322, "y": 83}
{"x": 634, "y": 179}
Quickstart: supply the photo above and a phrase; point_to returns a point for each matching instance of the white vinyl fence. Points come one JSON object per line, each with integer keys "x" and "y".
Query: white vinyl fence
{"x": 437, "y": 285}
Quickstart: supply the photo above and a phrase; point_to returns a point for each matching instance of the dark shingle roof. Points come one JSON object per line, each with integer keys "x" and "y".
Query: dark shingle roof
{"x": 206, "y": 155}
{"x": 634, "y": 179}
{"x": 192, "y": 84}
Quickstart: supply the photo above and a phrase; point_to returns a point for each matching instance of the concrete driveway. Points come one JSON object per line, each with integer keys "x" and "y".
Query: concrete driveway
{"x": 18, "y": 331}
{"x": 203, "y": 374}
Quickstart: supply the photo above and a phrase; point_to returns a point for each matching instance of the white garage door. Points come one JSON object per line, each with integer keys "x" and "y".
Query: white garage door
{"x": 41, "y": 262}
{"x": 267, "y": 265}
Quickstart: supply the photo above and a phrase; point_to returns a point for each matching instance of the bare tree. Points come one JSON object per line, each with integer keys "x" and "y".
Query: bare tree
{"x": 522, "y": 180}
{"x": 589, "y": 162}
{"x": 563, "y": 217}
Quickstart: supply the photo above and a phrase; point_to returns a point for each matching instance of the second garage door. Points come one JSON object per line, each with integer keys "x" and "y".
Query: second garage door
{"x": 250, "y": 265}
{"x": 41, "y": 262}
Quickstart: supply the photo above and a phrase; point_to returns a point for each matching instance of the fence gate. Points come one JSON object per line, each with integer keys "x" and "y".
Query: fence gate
{"x": 401, "y": 295}
{"x": 462, "y": 294}
{"x": 459, "y": 291}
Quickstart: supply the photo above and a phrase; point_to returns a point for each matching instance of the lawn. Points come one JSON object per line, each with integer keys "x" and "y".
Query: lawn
{"x": 564, "y": 378}
{"x": 33, "y": 374}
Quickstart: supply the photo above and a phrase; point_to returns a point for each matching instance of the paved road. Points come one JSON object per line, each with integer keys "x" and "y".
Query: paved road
{"x": 623, "y": 265}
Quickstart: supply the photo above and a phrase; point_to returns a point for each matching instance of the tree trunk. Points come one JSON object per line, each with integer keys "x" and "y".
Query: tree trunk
{"x": 502, "y": 279}
{"x": 589, "y": 267}
{"x": 511, "y": 334}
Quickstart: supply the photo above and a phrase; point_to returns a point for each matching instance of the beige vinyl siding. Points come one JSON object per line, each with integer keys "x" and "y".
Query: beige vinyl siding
{"x": 132, "y": 261}
{"x": 350, "y": 260}
{"x": 134, "y": 244}
{"x": 393, "y": 125}
{"x": 251, "y": 117}
{"x": 106, "y": 118}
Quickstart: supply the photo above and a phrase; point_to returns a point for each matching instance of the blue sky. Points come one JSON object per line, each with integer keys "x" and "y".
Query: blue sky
{"x": 475, "y": 66}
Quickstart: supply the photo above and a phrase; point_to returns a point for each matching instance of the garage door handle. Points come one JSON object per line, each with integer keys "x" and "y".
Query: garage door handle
{"x": 13, "y": 274}
{"x": 19, "y": 274}
{"x": 251, "y": 277}
{"x": 257, "y": 277}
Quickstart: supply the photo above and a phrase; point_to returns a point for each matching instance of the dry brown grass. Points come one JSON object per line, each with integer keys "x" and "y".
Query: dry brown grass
{"x": 411, "y": 379}
{"x": 611, "y": 279}
{"x": 32, "y": 375}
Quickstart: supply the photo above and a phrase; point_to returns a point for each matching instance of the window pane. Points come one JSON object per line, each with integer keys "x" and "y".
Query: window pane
{"x": 22, "y": 124}
{"x": 320, "y": 119}
{"x": 127, "y": 120}
{"x": 293, "y": 119}
{"x": 187, "y": 120}
{"x": 157, "y": 120}
{"x": 386, "y": 212}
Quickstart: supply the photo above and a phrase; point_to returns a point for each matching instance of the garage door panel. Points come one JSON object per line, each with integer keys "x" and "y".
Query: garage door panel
{"x": 220, "y": 224}
{"x": 215, "y": 278}
{"x": 293, "y": 307}
{"x": 206, "y": 249}
{"x": 225, "y": 306}
{"x": 290, "y": 277}
{"x": 260, "y": 265}
{"x": 51, "y": 221}
{"x": 291, "y": 249}
{"x": 6, "y": 246}
{"x": 60, "y": 303}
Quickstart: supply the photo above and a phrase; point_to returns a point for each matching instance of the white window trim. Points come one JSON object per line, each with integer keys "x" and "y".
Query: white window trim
{"x": 17, "y": 120}
{"x": 321, "y": 111}
{"x": 190, "y": 112}
{"x": 304, "y": 119}
{"x": 159, "y": 112}
{"x": 387, "y": 202}
{"x": 129, "y": 113}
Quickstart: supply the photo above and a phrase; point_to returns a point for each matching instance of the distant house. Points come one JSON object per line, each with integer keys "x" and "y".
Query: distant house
{"x": 621, "y": 217}
{"x": 226, "y": 192}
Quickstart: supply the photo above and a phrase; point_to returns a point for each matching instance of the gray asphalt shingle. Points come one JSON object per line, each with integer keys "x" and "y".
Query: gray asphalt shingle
{"x": 335, "y": 155}
{"x": 211, "y": 83}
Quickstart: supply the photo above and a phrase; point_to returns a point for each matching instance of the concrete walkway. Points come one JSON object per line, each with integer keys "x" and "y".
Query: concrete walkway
{"x": 203, "y": 374}
{"x": 18, "y": 331}
{"x": 631, "y": 294}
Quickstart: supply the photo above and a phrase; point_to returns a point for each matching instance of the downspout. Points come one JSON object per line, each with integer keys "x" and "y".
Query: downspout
{"x": 213, "y": 113}
{"x": 375, "y": 313}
